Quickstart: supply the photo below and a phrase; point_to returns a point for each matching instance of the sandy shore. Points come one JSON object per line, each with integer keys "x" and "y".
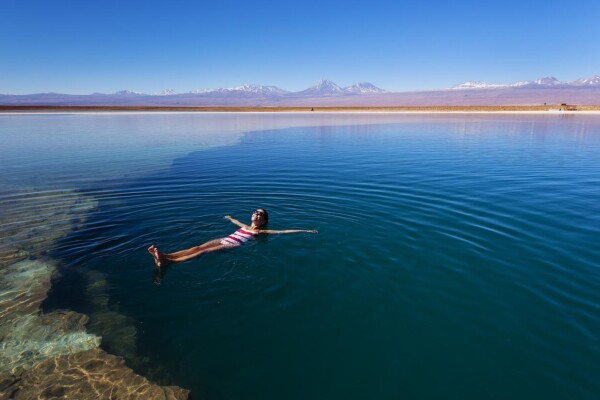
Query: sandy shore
{"x": 483, "y": 109}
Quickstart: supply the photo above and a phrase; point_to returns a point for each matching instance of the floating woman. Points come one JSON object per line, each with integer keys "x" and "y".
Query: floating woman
{"x": 259, "y": 218}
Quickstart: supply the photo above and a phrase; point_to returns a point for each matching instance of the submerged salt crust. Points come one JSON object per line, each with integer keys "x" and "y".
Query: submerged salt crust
{"x": 39, "y": 352}
{"x": 29, "y": 227}
{"x": 27, "y": 335}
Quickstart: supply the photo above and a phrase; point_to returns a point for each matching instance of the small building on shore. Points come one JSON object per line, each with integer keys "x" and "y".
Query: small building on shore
{"x": 567, "y": 107}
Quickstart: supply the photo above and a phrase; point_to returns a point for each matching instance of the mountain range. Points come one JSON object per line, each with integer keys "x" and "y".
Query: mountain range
{"x": 324, "y": 87}
{"x": 545, "y": 82}
{"x": 326, "y": 93}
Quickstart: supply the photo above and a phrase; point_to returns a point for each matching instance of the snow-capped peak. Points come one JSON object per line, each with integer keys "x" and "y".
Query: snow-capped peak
{"x": 127, "y": 93}
{"x": 363, "y": 87}
{"x": 246, "y": 88}
{"x": 202, "y": 91}
{"x": 259, "y": 89}
{"x": 324, "y": 87}
{"x": 477, "y": 85}
{"x": 547, "y": 81}
{"x": 167, "y": 92}
{"x": 591, "y": 81}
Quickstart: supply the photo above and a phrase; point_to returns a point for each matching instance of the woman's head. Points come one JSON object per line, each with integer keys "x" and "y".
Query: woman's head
{"x": 260, "y": 217}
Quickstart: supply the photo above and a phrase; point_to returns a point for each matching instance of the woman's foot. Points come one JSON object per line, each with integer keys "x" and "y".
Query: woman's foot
{"x": 159, "y": 259}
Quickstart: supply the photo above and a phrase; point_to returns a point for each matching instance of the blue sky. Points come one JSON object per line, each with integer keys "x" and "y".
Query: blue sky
{"x": 82, "y": 46}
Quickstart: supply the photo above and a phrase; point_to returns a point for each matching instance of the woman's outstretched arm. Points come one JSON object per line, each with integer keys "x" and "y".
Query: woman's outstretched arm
{"x": 235, "y": 221}
{"x": 288, "y": 231}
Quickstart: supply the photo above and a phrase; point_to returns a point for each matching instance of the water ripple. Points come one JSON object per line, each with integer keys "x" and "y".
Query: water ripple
{"x": 464, "y": 249}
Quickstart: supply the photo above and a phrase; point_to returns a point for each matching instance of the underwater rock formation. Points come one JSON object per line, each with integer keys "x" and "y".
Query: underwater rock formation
{"x": 31, "y": 221}
{"x": 118, "y": 331}
{"x": 26, "y": 336}
{"x": 52, "y": 355}
{"x": 91, "y": 374}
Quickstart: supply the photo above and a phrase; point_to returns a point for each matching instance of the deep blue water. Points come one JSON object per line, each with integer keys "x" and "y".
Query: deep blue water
{"x": 457, "y": 257}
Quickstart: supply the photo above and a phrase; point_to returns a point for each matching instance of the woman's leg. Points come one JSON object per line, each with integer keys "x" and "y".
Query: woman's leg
{"x": 194, "y": 249}
{"x": 161, "y": 259}
{"x": 205, "y": 249}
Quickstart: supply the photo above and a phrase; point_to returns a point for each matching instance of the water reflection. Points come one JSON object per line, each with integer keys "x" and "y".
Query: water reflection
{"x": 72, "y": 150}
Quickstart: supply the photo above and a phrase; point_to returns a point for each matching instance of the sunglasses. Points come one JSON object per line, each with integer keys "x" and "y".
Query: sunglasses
{"x": 257, "y": 212}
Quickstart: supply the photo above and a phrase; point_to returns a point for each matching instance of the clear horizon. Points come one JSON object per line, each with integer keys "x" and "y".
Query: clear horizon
{"x": 82, "y": 48}
{"x": 167, "y": 91}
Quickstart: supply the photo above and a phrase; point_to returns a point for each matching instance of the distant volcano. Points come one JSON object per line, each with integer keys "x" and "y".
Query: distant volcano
{"x": 327, "y": 93}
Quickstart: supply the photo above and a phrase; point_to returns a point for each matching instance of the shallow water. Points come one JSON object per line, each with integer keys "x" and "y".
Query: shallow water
{"x": 457, "y": 255}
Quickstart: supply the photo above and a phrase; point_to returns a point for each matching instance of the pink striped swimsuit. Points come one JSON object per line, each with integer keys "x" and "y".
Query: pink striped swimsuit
{"x": 239, "y": 237}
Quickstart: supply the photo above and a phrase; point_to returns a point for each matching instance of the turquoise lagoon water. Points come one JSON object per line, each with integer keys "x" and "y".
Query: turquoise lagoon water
{"x": 457, "y": 257}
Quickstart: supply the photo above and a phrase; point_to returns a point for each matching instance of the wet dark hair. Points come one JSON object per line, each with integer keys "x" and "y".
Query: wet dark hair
{"x": 266, "y": 215}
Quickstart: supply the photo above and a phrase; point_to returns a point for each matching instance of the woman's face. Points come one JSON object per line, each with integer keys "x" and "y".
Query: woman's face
{"x": 258, "y": 217}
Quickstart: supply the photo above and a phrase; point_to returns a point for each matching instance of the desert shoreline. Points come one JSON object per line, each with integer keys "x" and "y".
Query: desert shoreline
{"x": 551, "y": 108}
